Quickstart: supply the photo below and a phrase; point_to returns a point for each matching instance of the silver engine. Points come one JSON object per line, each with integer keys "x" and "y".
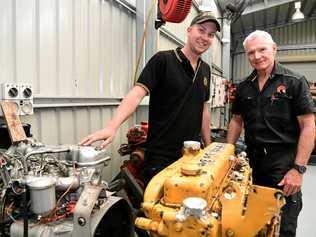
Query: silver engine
{"x": 58, "y": 191}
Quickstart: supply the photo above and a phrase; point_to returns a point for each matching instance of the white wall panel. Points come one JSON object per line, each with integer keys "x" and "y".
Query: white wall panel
{"x": 166, "y": 44}
{"x": 179, "y": 29}
{"x": 65, "y": 66}
{"x": 7, "y": 42}
{"x": 68, "y": 48}
{"x": 66, "y": 127}
{"x": 47, "y": 48}
{"x": 25, "y": 45}
{"x": 94, "y": 48}
{"x": 217, "y": 52}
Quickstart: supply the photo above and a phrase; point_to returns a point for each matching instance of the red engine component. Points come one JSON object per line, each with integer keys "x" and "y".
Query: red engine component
{"x": 231, "y": 91}
{"x": 174, "y": 10}
{"x": 138, "y": 133}
{"x": 136, "y": 137}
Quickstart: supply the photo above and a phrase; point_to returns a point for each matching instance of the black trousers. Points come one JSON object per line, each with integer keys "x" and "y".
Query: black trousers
{"x": 290, "y": 214}
{"x": 270, "y": 162}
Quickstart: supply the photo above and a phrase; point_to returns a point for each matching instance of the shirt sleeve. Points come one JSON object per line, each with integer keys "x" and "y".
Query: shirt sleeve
{"x": 236, "y": 106}
{"x": 303, "y": 102}
{"x": 150, "y": 75}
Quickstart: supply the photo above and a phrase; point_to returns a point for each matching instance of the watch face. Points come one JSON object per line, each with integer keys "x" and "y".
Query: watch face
{"x": 300, "y": 168}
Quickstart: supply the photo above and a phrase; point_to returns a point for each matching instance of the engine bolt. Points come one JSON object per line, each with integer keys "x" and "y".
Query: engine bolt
{"x": 230, "y": 233}
{"x": 81, "y": 221}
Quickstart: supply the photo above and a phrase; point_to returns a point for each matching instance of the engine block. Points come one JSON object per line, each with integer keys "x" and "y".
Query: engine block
{"x": 210, "y": 193}
{"x": 58, "y": 190}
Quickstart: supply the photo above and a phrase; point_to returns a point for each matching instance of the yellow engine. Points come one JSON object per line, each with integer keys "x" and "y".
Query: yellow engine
{"x": 209, "y": 193}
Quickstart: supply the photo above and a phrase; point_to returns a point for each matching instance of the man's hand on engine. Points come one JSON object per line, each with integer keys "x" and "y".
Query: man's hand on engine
{"x": 292, "y": 182}
{"x": 107, "y": 134}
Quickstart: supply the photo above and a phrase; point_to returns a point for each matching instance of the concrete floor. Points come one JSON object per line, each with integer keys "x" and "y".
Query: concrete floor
{"x": 307, "y": 218}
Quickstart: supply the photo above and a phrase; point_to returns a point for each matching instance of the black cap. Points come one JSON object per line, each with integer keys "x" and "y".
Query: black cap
{"x": 204, "y": 17}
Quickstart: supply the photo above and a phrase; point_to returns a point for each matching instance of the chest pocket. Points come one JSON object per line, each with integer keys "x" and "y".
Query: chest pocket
{"x": 248, "y": 108}
{"x": 280, "y": 106}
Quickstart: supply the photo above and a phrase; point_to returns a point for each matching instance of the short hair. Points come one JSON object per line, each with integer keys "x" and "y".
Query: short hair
{"x": 257, "y": 34}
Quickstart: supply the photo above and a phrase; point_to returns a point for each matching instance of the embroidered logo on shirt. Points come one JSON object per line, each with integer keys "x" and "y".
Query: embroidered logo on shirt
{"x": 281, "y": 89}
{"x": 205, "y": 81}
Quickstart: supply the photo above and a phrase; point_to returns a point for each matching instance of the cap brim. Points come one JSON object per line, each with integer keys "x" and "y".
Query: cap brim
{"x": 212, "y": 20}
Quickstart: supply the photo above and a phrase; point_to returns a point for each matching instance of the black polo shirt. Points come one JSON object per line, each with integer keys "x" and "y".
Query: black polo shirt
{"x": 177, "y": 96}
{"x": 269, "y": 116}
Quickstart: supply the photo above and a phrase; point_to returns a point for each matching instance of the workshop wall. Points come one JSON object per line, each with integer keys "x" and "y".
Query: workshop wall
{"x": 72, "y": 53}
{"x": 80, "y": 57}
{"x": 296, "y": 48}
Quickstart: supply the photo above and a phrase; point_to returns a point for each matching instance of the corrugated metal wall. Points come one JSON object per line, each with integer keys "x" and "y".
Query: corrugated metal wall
{"x": 80, "y": 57}
{"x": 67, "y": 48}
{"x": 296, "y": 43}
{"x": 72, "y": 52}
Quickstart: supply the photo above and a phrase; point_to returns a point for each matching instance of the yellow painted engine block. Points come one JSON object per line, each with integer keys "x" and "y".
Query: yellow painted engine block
{"x": 209, "y": 192}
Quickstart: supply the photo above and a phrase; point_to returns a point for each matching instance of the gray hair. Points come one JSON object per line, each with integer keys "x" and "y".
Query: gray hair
{"x": 258, "y": 34}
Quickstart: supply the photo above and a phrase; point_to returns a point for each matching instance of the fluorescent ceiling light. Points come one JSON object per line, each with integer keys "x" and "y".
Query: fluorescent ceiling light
{"x": 298, "y": 15}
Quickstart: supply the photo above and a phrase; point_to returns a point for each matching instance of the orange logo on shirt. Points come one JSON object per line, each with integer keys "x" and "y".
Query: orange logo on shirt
{"x": 281, "y": 89}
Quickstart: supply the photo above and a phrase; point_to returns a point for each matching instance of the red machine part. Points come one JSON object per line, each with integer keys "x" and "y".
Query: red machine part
{"x": 136, "y": 137}
{"x": 231, "y": 92}
{"x": 135, "y": 164}
{"x": 138, "y": 133}
{"x": 174, "y": 10}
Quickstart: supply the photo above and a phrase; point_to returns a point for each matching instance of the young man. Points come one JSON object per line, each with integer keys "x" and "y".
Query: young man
{"x": 275, "y": 108}
{"x": 178, "y": 82}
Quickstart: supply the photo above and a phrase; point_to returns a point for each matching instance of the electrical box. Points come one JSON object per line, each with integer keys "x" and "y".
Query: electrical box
{"x": 19, "y": 93}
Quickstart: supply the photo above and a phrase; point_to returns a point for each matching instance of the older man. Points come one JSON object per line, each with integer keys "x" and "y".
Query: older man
{"x": 275, "y": 107}
{"x": 178, "y": 82}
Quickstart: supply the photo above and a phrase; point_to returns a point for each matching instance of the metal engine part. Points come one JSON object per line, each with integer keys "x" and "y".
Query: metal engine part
{"x": 210, "y": 193}
{"x": 58, "y": 191}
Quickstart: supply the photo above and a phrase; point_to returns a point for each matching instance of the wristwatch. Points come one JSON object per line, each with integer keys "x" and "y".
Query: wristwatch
{"x": 300, "y": 168}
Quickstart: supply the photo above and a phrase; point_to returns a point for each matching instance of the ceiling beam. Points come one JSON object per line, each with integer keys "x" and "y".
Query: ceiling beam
{"x": 255, "y": 7}
{"x": 284, "y": 47}
{"x": 253, "y": 22}
{"x": 242, "y": 26}
{"x": 238, "y": 35}
{"x": 304, "y": 3}
{"x": 276, "y": 21}
{"x": 311, "y": 10}
{"x": 265, "y": 18}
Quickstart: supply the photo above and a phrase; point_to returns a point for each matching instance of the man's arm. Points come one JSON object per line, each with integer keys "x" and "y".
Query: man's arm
{"x": 234, "y": 128}
{"x": 293, "y": 180}
{"x": 123, "y": 112}
{"x": 205, "y": 130}
{"x": 307, "y": 138}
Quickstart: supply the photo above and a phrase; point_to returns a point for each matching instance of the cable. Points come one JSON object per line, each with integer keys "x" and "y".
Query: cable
{"x": 140, "y": 54}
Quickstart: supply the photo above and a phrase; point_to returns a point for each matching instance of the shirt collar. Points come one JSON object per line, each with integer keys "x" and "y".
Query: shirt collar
{"x": 277, "y": 70}
{"x": 181, "y": 57}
